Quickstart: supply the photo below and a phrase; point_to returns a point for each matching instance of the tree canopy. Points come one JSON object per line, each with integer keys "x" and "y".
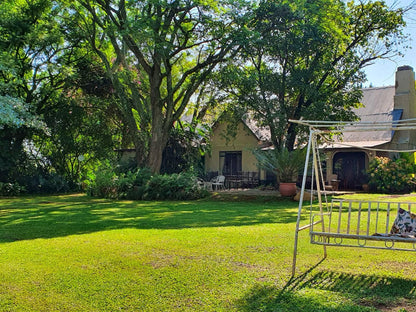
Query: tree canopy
{"x": 156, "y": 54}
{"x": 305, "y": 59}
{"x": 106, "y": 74}
{"x": 37, "y": 79}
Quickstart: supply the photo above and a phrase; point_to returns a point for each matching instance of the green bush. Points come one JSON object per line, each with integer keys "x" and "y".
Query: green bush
{"x": 174, "y": 186}
{"x": 391, "y": 176}
{"x": 141, "y": 184}
{"x": 41, "y": 182}
{"x": 286, "y": 164}
{"x": 103, "y": 183}
{"x": 11, "y": 189}
{"x": 52, "y": 183}
{"x": 132, "y": 185}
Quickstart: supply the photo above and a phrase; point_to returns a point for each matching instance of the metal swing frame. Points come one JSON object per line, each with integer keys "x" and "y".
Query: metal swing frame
{"x": 349, "y": 223}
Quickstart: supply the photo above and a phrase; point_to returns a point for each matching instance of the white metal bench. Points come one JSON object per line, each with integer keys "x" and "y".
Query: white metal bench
{"x": 366, "y": 224}
{"x": 347, "y": 223}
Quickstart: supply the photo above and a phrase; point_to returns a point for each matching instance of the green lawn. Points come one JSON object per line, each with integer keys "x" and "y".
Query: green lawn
{"x": 74, "y": 253}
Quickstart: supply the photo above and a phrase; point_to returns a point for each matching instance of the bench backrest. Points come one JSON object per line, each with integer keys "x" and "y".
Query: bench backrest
{"x": 365, "y": 217}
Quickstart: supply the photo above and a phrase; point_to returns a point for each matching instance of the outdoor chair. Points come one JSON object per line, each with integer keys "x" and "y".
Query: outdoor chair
{"x": 218, "y": 182}
{"x": 334, "y": 183}
{"x": 203, "y": 184}
{"x": 200, "y": 182}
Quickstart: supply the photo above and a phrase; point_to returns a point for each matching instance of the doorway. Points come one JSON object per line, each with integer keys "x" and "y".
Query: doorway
{"x": 231, "y": 162}
{"x": 350, "y": 168}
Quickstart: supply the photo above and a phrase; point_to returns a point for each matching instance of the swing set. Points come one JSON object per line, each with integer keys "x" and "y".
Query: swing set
{"x": 353, "y": 223}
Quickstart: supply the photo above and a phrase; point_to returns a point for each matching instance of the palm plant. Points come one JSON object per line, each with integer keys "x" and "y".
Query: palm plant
{"x": 284, "y": 163}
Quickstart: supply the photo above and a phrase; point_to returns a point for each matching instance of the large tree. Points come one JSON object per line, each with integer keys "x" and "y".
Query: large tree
{"x": 157, "y": 54}
{"x": 26, "y": 48}
{"x": 17, "y": 123}
{"x": 305, "y": 59}
{"x": 43, "y": 76}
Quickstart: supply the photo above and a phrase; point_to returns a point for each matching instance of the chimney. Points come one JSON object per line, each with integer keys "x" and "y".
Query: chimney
{"x": 405, "y": 96}
{"x": 405, "y": 99}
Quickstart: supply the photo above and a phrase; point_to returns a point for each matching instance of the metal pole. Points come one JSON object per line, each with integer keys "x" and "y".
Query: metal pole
{"x": 302, "y": 192}
{"x": 318, "y": 188}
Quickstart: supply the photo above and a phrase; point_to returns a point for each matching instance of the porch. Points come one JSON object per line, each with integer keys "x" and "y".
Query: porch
{"x": 239, "y": 180}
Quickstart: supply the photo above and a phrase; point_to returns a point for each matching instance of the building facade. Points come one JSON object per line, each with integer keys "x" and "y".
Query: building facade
{"x": 348, "y": 156}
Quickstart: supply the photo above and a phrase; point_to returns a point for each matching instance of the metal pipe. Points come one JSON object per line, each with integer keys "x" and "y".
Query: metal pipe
{"x": 302, "y": 192}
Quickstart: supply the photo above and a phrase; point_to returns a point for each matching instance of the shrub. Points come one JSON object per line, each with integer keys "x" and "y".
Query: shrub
{"x": 286, "y": 164}
{"x": 173, "y": 186}
{"x": 140, "y": 184}
{"x": 391, "y": 176}
{"x": 133, "y": 185}
{"x": 41, "y": 182}
{"x": 52, "y": 183}
{"x": 11, "y": 189}
{"x": 103, "y": 184}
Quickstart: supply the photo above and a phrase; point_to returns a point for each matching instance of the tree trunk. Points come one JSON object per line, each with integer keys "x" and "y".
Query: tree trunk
{"x": 291, "y": 131}
{"x": 155, "y": 156}
{"x": 291, "y": 137}
{"x": 157, "y": 145}
{"x": 160, "y": 129}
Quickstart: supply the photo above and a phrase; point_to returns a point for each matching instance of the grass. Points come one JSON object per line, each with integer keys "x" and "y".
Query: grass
{"x": 74, "y": 253}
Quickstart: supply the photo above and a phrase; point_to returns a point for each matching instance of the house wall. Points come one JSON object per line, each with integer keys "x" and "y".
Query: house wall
{"x": 243, "y": 141}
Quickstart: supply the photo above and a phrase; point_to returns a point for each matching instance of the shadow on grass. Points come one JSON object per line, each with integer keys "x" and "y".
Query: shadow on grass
{"x": 53, "y": 216}
{"x": 331, "y": 291}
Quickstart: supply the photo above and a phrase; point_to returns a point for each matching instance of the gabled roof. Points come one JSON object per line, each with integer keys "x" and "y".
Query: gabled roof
{"x": 378, "y": 106}
{"x": 260, "y": 132}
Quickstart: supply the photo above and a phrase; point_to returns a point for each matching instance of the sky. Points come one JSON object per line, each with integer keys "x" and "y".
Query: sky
{"x": 382, "y": 72}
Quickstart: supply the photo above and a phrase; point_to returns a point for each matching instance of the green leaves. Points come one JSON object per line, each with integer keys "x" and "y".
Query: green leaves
{"x": 391, "y": 176}
{"x": 14, "y": 113}
{"x": 286, "y": 164}
{"x": 305, "y": 59}
{"x": 158, "y": 54}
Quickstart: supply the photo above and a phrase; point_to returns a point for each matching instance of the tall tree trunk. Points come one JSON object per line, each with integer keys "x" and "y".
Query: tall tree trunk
{"x": 158, "y": 142}
{"x": 291, "y": 131}
{"x": 291, "y": 137}
{"x": 155, "y": 156}
{"x": 159, "y": 133}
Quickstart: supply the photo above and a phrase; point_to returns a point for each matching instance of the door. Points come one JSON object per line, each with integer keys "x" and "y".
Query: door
{"x": 231, "y": 162}
{"x": 350, "y": 169}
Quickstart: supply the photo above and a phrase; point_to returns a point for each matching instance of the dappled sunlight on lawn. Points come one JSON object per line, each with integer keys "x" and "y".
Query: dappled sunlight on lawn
{"x": 328, "y": 291}
{"x": 52, "y": 216}
{"x": 204, "y": 255}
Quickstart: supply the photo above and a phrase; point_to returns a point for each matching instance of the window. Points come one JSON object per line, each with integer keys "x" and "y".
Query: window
{"x": 230, "y": 162}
